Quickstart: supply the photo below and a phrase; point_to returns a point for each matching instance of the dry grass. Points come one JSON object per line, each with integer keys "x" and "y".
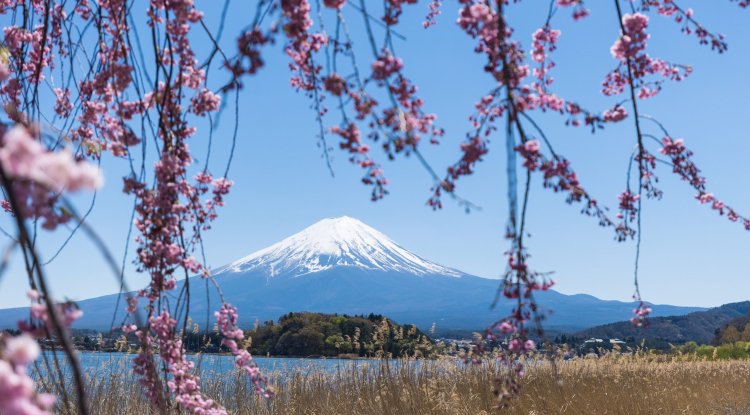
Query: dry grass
{"x": 610, "y": 385}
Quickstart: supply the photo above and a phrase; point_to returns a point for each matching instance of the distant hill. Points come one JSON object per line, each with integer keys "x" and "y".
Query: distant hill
{"x": 317, "y": 334}
{"x": 341, "y": 265}
{"x": 700, "y": 326}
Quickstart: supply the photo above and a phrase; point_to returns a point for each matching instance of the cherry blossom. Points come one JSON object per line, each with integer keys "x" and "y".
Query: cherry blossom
{"x": 432, "y": 14}
{"x": 116, "y": 103}
{"x": 18, "y": 394}
{"x": 635, "y": 63}
{"x": 226, "y": 319}
{"x": 615, "y": 114}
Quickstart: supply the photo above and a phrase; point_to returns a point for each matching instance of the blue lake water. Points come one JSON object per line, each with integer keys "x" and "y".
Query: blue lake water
{"x": 102, "y": 364}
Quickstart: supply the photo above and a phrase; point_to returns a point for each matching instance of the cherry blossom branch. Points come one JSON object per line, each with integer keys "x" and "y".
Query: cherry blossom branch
{"x": 642, "y": 310}
{"x": 36, "y": 269}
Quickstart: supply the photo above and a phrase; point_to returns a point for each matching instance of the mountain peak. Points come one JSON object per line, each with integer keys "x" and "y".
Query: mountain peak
{"x": 337, "y": 242}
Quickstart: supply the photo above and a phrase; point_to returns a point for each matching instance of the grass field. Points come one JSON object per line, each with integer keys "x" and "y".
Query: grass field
{"x": 614, "y": 384}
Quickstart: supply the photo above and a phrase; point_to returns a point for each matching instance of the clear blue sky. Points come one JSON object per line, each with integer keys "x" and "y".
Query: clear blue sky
{"x": 690, "y": 255}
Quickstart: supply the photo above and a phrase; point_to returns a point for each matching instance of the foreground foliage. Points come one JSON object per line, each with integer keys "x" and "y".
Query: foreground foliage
{"x": 736, "y": 350}
{"x": 613, "y": 384}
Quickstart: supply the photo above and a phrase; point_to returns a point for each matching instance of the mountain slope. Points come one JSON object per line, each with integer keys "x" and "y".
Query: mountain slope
{"x": 699, "y": 326}
{"x": 733, "y": 330}
{"x": 344, "y": 266}
{"x": 336, "y": 242}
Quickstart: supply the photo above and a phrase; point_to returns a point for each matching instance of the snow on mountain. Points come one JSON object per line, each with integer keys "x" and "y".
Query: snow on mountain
{"x": 350, "y": 268}
{"x": 336, "y": 242}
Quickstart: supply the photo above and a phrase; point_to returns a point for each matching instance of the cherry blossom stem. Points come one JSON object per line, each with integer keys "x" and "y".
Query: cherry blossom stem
{"x": 62, "y": 334}
{"x": 641, "y": 153}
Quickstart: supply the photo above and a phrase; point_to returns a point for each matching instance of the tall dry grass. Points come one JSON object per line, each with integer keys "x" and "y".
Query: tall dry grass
{"x": 614, "y": 384}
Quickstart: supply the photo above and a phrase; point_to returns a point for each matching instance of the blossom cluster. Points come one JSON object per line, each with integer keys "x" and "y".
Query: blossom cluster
{"x": 41, "y": 322}
{"x": 385, "y": 66}
{"x": 432, "y": 14}
{"x": 616, "y": 114}
{"x": 393, "y": 10}
{"x": 506, "y": 63}
{"x": 628, "y": 210}
{"x": 472, "y": 151}
{"x": 635, "y": 64}
{"x": 145, "y": 367}
{"x": 641, "y": 313}
{"x": 24, "y": 158}
{"x": 505, "y": 58}
{"x": 544, "y": 42}
{"x": 249, "y": 59}
{"x": 302, "y": 44}
{"x": 183, "y": 383}
{"x": 685, "y": 18}
{"x": 38, "y": 176}
{"x": 684, "y": 167}
{"x": 579, "y": 9}
{"x": 401, "y": 125}
{"x": 233, "y": 337}
{"x": 514, "y": 331}
{"x": 172, "y": 208}
{"x": 334, "y": 4}
{"x": 405, "y": 122}
{"x": 104, "y": 106}
{"x": 18, "y": 394}
{"x": 352, "y": 143}
{"x": 560, "y": 177}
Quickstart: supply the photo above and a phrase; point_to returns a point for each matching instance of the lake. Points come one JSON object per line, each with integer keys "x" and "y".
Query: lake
{"x": 102, "y": 364}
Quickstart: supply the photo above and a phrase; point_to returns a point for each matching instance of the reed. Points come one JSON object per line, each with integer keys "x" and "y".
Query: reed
{"x": 613, "y": 384}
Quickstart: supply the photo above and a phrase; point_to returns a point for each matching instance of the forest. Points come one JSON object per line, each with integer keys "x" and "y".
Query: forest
{"x": 315, "y": 334}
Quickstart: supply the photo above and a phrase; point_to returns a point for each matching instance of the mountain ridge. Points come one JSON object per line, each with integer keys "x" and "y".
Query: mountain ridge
{"x": 341, "y": 265}
{"x": 699, "y": 326}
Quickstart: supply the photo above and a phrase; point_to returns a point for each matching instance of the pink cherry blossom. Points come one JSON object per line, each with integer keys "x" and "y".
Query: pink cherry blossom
{"x": 334, "y": 4}
{"x": 21, "y": 350}
{"x": 385, "y": 66}
{"x": 226, "y": 319}
{"x": 615, "y": 114}
{"x": 18, "y": 395}
{"x": 432, "y": 14}
{"x": 630, "y": 50}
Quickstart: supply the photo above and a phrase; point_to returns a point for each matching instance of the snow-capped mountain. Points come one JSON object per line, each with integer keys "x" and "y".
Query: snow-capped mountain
{"x": 341, "y": 265}
{"x": 336, "y": 242}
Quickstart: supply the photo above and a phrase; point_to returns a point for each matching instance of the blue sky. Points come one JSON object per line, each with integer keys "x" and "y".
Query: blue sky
{"x": 690, "y": 255}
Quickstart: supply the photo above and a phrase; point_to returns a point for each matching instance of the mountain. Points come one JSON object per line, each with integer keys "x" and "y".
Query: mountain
{"x": 700, "y": 326}
{"x": 332, "y": 243}
{"x": 340, "y": 265}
